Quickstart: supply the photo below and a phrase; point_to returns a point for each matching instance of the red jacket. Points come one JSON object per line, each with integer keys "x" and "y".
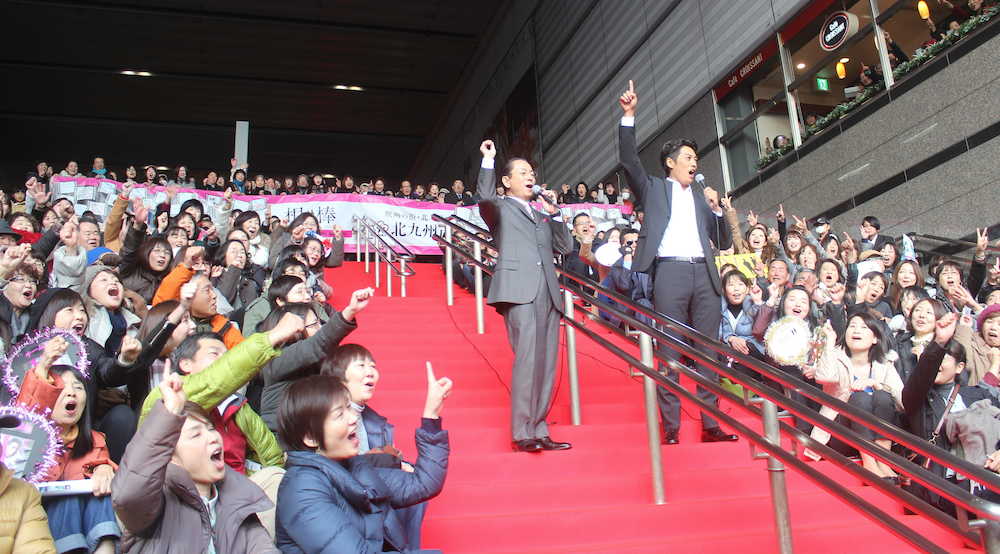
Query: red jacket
{"x": 234, "y": 442}
{"x": 38, "y": 396}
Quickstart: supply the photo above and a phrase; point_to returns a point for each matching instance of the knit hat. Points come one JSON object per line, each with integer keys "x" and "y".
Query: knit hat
{"x": 88, "y": 277}
{"x": 991, "y": 311}
{"x": 96, "y": 253}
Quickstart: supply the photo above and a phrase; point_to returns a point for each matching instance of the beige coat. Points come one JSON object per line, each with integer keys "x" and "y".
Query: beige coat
{"x": 24, "y": 527}
{"x": 833, "y": 372}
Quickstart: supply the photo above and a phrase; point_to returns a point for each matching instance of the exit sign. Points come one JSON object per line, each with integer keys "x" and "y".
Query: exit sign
{"x": 822, "y": 84}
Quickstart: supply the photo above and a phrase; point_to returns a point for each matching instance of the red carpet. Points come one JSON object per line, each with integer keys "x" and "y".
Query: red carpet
{"x": 596, "y": 497}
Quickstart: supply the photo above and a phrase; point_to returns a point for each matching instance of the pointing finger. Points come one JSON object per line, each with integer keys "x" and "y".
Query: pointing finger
{"x": 430, "y": 373}
{"x": 631, "y": 86}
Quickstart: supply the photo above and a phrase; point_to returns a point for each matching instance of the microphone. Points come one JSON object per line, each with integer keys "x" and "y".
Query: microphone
{"x": 700, "y": 179}
{"x": 537, "y": 192}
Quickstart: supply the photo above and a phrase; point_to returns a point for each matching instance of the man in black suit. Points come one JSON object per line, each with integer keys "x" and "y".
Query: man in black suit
{"x": 459, "y": 196}
{"x": 677, "y": 245}
{"x": 525, "y": 291}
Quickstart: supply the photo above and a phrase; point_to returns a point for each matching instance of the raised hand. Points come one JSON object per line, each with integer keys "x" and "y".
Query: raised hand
{"x": 53, "y": 350}
{"x": 130, "y": 350}
{"x": 188, "y": 291}
{"x": 780, "y": 216}
{"x": 141, "y": 213}
{"x": 359, "y": 301}
{"x": 982, "y": 241}
{"x": 298, "y": 234}
{"x": 944, "y": 329}
{"x": 289, "y": 327}
{"x": 69, "y": 234}
{"x": 194, "y": 255}
{"x": 172, "y": 391}
{"x": 628, "y": 100}
{"x": 726, "y": 202}
{"x": 837, "y": 291}
{"x": 800, "y": 224}
{"x": 338, "y": 232}
{"x": 12, "y": 258}
{"x": 751, "y": 219}
{"x": 126, "y": 190}
{"x": 756, "y": 294}
{"x": 488, "y": 149}
{"x": 437, "y": 391}
{"x": 171, "y": 191}
{"x": 773, "y": 236}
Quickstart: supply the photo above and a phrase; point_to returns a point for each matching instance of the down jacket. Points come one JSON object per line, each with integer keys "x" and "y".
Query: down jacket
{"x": 331, "y": 507}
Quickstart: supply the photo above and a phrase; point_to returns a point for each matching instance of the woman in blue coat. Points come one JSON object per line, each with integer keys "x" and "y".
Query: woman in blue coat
{"x": 331, "y": 500}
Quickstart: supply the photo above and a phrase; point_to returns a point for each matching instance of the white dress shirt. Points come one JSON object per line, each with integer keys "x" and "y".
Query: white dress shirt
{"x": 681, "y": 237}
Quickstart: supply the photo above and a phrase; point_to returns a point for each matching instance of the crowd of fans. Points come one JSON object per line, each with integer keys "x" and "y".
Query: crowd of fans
{"x": 888, "y": 332}
{"x": 220, "y": 410}
{"x": 199, "y": 381}
{"x": 240, "y": 182}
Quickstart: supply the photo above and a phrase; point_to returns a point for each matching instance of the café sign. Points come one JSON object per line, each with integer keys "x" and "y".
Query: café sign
{"x": 837, "y": 28}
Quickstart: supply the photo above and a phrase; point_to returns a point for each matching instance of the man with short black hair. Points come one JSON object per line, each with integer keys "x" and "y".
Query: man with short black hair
{"x": 459, "y": 196}
{"x": 870, "y": 237}
{"x": 683, "y": 235}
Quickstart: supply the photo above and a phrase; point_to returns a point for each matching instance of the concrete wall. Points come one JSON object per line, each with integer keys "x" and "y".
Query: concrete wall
{"x": 584, "y": 53}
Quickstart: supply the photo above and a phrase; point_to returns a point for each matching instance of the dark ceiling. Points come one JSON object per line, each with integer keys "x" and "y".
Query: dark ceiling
{"x": 214, "y": 62}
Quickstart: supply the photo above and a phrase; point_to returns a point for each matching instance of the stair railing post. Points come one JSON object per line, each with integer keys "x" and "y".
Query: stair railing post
{"x": 574, "y": 377}
{"x": 477, "y": 252}
{"x": 449, "y": 294}
{"x": 652, "y": 422}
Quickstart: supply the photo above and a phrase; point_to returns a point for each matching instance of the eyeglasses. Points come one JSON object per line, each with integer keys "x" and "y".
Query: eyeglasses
{"x": 24, "y": 280}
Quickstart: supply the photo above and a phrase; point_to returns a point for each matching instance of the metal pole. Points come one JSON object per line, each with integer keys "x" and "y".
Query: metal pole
{"x": 574, "y": 378}
{"x": 652, "y": 423}
{"x": 477, "y": 252}
{"x": 378, "y": 280}
{"x": 357, "y": 241}
{"x": 364, "y": 229}
{"x": 776, "y": 474}
{"x": 388, "y": 275}
{"x": 883, "y": 49}
{"x": 449, "y": 294}
{"x": 991, "y": 536}
{"x": 402, "y": 277}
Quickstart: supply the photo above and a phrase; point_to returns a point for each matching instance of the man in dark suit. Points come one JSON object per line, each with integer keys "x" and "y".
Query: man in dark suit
{"x": 677, "y": 245}
{"x": 459, "y": 196}
{"x": 525, "y": 291}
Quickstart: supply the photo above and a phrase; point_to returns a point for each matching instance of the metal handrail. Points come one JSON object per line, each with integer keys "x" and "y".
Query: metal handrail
{"x": 960, "y": 497}
{"x": 369, "y": 231}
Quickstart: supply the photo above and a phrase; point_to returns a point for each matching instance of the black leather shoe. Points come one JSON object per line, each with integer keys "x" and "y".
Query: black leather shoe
{"x": 548, "y": 444}
{"x": 670, "y": 437}
{"x": 527, "y": 445}
{"x": 717, "y": 435}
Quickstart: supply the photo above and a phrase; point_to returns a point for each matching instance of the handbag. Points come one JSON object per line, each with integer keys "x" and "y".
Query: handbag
{"x": 935, "y": 436}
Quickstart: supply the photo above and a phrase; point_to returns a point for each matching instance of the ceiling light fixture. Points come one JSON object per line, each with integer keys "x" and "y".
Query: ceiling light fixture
{"x": 135, "y": 73}
{"x": 352, "y": 88}
{"x": 355, "y": 88}
{"x": 800, "y": 66}
{"x": 845, "y": 60}
{"x": 127, "y": 72}
{"x": 328, "y": 176}
{"x": 143, "y": 73}
{"x": 162, "y": 168}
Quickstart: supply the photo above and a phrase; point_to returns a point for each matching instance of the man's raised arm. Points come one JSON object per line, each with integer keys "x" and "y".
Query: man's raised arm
{"x": 628, "y": 153}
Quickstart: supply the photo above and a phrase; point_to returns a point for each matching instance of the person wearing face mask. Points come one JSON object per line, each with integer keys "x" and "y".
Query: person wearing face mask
{"x": 303, "y": 357}
{"x": 204, "y": 305}
{"x": 76, "y": 521}
{"x": 173, "y": 490}
{"x": 325, "y": 501}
